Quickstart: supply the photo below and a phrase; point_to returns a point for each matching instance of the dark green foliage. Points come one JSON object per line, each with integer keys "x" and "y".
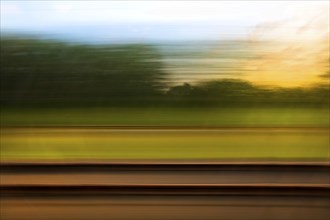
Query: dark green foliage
{"x": 233, "y": 92}
{"x": 37, "y": 72}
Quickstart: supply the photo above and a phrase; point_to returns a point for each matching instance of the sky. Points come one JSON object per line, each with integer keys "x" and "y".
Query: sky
{"x": 40, "y": 14}
{"x": 143, "y": 17}
{"x": 298, "y": 30}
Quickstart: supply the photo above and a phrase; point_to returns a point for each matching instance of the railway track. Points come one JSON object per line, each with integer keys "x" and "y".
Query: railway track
{"x": 165, "y": 190}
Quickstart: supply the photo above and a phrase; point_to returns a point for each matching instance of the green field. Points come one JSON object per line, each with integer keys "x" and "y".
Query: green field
{"x": 271, "y": 134}
{"x": 234, "y": 144}
{"x": 289, "y": 117}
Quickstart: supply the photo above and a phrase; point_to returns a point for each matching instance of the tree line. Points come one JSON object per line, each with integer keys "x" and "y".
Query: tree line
{"x": 43, "y": 73}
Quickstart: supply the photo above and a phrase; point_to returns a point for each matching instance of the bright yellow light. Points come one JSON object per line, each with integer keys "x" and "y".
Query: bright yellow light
{"x": 294, "y": 53}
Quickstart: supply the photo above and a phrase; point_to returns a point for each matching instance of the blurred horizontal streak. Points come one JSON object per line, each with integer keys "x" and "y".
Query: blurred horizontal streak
{"x": 150, "y": 209}
{"x": 167, "y": 207}
{"x": 223, "y": 144}
{"x": 22, "y": 167}
{"x": 167, "y": 127}
{"x": 231, "y": 201}
{"x": 319, "y": 190}
{"x": 68, "y": 173}
{"x": 167, "y": 117}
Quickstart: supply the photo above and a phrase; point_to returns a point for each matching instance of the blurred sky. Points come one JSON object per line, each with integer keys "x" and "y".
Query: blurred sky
{"x": 142, "y": 17}
{"x": 298, "y": 30}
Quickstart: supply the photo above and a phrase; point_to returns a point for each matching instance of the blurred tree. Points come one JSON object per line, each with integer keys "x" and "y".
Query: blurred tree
{"x": 48, "y": 72}
{"x": 183, "y": 90}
